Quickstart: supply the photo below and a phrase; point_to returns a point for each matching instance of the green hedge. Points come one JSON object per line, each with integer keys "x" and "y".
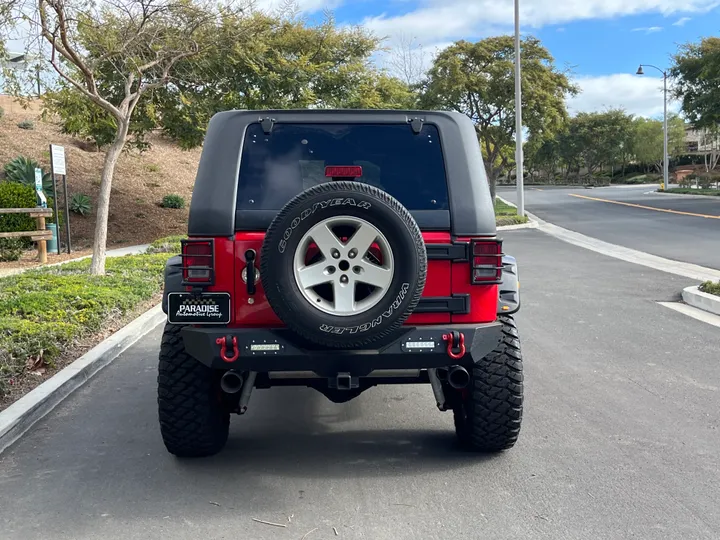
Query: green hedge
{"x": 710, "y": 287}
{"x": 14, "y": 195}
{"x": 693, "y": 191}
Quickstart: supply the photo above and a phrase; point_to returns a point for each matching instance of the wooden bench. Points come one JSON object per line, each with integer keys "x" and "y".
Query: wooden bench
{"x": 41, "y": 236}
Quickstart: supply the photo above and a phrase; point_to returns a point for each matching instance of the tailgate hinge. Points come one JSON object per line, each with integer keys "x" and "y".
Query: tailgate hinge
{"x": 416, "y": 124}
{"x": 267, "y": 124}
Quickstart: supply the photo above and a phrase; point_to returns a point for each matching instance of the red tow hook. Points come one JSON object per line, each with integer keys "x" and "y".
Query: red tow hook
{"x": 222, "y": 341}
{"x": 455, "y": 340}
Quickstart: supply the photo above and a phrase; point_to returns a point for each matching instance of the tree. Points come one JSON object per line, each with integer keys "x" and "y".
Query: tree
{"x": 601, "y": 137}
{"x": 648, "y": 140}
{"x": 542, "y": 155}
{"x": 408, "y": 61}
{"x": 696, "y": 69}
{"x": 477, "y": 79}
{"x": 113, "y": 53}
{"x": 711, "y": 144}
{"x": 280, "y": 63}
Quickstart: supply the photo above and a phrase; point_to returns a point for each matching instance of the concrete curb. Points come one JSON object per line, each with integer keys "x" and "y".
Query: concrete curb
{"x": 531, "y": 224}
{"x": 688, "y": 195}
{"x": 701, "y": 300}
{"x": 628, "y": 186}
{"x": 25, "y": 412}
{"x": 689, "y": 270}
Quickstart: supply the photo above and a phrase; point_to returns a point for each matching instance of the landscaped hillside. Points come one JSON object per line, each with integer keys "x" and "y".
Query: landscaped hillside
{"x": 141, "y": 180}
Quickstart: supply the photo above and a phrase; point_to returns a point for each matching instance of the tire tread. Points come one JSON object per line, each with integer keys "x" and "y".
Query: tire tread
{"x": 492, "y": 415}
{"x": 193, "y": 422}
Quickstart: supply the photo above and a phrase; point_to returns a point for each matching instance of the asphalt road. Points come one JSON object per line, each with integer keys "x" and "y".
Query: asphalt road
{"x": 620, "y": 439}
{"x": 671, "y": 233}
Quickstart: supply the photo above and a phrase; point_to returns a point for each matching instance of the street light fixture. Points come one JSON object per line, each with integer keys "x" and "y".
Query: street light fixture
{"x": 666, "y": 175}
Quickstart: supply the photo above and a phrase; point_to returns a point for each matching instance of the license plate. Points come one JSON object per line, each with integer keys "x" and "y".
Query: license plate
{"x": 205, "y": 308}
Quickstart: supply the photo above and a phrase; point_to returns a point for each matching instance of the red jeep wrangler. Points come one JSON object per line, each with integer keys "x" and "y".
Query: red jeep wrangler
{"x": 340, "y": 250}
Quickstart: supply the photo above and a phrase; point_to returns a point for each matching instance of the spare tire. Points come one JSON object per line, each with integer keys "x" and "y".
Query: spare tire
{"x": 343, "y": 264}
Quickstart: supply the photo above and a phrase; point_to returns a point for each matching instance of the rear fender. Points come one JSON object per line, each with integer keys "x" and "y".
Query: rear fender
{"x": 509, "y": 297}
{"x": 173, "y": 279}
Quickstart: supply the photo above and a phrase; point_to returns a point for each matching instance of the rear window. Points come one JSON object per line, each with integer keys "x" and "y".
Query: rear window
{"x": 277, "y": 166}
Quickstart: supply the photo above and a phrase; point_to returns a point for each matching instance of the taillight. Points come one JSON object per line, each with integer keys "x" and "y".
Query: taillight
{"x": 486, "y": 259}
{"x": 343, "y": 171}
{"x": 198, "y": 262}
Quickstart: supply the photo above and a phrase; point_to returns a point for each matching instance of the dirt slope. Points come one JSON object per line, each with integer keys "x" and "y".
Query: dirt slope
{"x": 141, "y": 180}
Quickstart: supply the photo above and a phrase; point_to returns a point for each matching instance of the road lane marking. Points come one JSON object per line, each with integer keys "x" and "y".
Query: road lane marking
{"x": 708, "y": 216}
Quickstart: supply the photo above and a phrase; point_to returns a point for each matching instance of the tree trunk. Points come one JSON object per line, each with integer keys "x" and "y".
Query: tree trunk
{"x": 492, "y": 182}
{"x": 97, "y": 267}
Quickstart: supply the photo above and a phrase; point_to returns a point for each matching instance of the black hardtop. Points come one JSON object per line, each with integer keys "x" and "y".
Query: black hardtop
{"x": 213, "y": 206}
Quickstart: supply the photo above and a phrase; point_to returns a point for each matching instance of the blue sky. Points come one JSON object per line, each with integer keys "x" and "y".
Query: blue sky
{"x": 601, "y": 41}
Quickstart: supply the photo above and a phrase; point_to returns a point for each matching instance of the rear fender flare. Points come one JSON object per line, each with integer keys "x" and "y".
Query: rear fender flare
{"x": 509, "y": 288}
{"x": 173, "y": 279}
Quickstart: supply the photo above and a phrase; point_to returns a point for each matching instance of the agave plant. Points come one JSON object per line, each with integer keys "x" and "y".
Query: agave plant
{"x": 80, "y": 204}
{"x": 22, "y": 170}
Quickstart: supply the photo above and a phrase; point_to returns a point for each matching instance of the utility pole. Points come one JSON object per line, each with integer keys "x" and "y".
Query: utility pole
{"x": 518, "y": 118}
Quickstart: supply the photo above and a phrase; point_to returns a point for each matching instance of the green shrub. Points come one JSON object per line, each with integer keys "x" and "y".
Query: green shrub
{"x": 173, "y": 201}
{"x": 80, "y": 204}
{"x": 704, "y": 181}
{"x": 685, "y": 182}
{"x": 22, "y": 170}
{"x": 11, "y": 249}
{"x": 26, "y": 124}
{"x": 169, "y": 244}
{"x": 710, "y": 287}
{"x": 13, "y": 195}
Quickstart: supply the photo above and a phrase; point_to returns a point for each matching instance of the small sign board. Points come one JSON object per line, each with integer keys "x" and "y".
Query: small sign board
{"x": 58, "y": 159}
{"x": 39, "y": 187}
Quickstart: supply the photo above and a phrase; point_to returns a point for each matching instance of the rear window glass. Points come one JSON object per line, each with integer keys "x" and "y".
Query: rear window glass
{"x": 276, "y": 167}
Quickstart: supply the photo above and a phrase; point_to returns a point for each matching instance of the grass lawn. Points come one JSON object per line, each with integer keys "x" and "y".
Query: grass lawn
{"x": 691, "y": 191}
{"x": 507, "y": 215}
{"x": 48, "y": 314}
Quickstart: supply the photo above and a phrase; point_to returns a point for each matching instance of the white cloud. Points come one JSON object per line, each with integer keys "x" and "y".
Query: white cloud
{"x": 444, "y": 20}
{"x": 681, "y": 21}
{"x": 639, "y": 95}
{"x": 648, "y": 29}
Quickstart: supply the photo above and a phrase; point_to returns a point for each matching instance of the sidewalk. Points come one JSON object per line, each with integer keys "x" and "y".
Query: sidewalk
{"x": 119, "y": 252}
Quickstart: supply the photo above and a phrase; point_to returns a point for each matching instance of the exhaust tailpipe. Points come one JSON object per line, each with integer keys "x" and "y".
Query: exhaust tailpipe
{"x": 231, "y": 382}
{"x": 458, "y": 377}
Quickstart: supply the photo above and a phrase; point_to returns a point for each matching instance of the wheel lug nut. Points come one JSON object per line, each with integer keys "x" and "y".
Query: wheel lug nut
{"x": 353, "y": 253}
{"x": 335, "y": 254}
{"x": 343, "y": 279}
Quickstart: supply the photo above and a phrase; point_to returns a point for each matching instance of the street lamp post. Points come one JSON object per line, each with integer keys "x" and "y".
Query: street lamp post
{"x": 518, "y": 118}
{"x": 666, "y": 175}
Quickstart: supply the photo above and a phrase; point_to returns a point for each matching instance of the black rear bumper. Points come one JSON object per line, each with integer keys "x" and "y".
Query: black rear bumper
{"x": 267, "y": 350}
